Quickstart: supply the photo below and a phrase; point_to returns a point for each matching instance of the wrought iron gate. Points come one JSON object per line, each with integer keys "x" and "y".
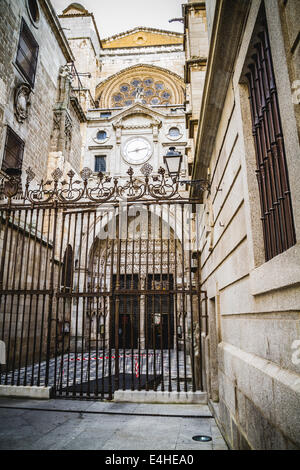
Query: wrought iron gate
{"x": 99, "y": 285}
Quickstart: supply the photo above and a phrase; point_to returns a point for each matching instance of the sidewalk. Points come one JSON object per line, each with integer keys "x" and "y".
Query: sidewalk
{"x": 95, "y": 425}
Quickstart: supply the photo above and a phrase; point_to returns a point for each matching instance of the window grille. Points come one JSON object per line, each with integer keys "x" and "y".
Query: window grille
{"x": 272, "y": 172}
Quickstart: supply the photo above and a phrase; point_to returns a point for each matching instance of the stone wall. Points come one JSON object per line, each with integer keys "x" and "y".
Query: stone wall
{"x": 36, "y": 129}
{"x": 168, "y": 57}
{"x": 254, "y": 306}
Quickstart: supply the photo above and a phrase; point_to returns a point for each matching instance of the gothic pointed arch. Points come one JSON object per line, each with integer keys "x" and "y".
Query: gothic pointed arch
{"x": 155, "y": 85}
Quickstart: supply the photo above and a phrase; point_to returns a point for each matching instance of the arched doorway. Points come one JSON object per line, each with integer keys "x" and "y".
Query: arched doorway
{"x": 138, "y": 272}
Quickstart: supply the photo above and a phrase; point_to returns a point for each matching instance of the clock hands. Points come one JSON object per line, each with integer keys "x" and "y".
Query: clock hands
{"x": 137, "y": 149}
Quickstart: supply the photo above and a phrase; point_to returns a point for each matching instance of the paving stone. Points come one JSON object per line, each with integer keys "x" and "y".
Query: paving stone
{"x": 74, "y": 428}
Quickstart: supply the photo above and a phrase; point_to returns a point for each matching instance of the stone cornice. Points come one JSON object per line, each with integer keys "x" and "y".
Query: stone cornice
{"x": 229, "y": 20}
{"x": 199, "y": 62}
{"x": 114, "y": 50}
{"x": 78, "y": 109}
{"x": 138, "y": 108}
{"x": 172, "y": 143}
{"x": 100, "y": 147}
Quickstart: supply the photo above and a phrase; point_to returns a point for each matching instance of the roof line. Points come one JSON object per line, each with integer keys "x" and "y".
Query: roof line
{"x": 142, "y": 28}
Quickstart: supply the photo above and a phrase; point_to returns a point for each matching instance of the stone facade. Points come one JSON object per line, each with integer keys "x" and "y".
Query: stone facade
{"x": 47, "y": 116}
{"x": 253, "y": 374}
{"x": 36, "y": 128}
{"x": 139, "y": 54}
{"x": 188, "y": 91}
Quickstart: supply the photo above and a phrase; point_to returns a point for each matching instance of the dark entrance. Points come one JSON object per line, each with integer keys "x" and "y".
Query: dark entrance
{"x": 160, "y": 312}
{"x": 128, "y": 310}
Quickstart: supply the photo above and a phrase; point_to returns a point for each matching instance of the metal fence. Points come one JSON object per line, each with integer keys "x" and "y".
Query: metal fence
{"x": 99, "y": 285}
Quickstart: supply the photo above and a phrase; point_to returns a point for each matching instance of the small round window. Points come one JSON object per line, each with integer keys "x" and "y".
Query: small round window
{"x": 33, "y": 10}
{"x": 174, "y": 132}
{"x": 101, "y": 135}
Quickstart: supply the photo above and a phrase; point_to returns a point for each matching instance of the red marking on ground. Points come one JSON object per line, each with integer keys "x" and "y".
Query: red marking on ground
{"x": 136, "y": 368}
{"x": 112, "y": 357}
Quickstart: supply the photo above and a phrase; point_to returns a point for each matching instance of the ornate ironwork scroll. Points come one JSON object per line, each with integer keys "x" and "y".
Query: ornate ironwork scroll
{"x": 98, "y": 188}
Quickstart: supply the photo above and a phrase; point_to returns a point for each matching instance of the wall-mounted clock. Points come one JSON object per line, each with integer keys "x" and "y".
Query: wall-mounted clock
{"x": 137, "y": 150}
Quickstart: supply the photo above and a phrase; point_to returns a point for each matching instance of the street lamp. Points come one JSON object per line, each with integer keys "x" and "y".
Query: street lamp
{"x": 173, "y": 160}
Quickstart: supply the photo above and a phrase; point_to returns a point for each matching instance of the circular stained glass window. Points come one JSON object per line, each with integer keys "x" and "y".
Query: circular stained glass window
{"x": 174, "y": 132}
{"x": 101, "y": 135}
{"x": 145, "y": 89}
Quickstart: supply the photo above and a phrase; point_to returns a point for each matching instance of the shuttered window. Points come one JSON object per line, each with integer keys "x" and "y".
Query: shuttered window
{"x": 27, "y": 53}
{"x": 272, "y": 172}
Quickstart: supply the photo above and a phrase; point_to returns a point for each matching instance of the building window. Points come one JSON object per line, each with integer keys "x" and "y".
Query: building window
{"x": 101, "y": 135}
{"x": 272, "y": 172}
{"x": 105, "y": 115}
{"x": 100, "y": 163}
{"x": 33, "y": 11}
{"x": 67, "y": 268}
{"x": 13, "y": 151}
{"x": 27, "y": 53}
{"x": 174, "y": 132}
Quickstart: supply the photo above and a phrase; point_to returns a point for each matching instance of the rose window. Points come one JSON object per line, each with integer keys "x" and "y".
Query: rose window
{"x": 145, "y": 90}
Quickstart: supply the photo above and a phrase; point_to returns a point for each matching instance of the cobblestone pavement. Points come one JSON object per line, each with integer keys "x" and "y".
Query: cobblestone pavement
{"x": 98, "y": 425}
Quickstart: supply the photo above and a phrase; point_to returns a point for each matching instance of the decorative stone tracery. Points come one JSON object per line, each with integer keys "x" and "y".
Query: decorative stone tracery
{"x": 144, "y": 84}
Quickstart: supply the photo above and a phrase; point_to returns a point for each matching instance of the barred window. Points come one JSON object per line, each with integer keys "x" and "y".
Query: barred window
{"x": 27, "y": 53}
{"x": 272, "y": 172}
{"x": 13, "y": 151}
{"x": 100, "y": 163}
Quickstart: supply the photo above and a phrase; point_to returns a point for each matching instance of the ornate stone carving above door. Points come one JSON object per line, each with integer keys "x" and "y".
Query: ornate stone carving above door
{"x": 22, "y": 101}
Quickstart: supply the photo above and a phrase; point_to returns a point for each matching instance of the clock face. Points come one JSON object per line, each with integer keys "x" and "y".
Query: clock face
{"x": 137, "y": 150}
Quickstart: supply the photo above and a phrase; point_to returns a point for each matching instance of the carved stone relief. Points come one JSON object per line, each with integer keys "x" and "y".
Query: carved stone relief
{"x": 22, "y": 101}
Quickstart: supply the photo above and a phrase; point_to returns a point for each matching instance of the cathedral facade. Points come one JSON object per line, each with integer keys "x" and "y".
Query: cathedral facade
{"x": 149, "y": 211}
